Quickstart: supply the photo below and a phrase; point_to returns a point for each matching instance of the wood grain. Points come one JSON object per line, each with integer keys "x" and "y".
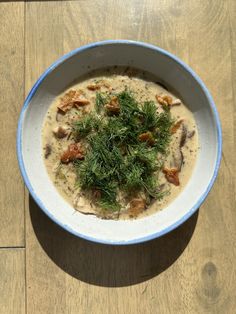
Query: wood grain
{"x": 12, "y": 284}
{"x": 11, "y": 100}
{"x": 192, "y": 270}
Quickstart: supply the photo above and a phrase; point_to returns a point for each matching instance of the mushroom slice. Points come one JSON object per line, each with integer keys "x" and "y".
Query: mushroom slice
{"x": 176, "y": 126}
{"x": 82, "y": 205}
{"x": 60, "y": 132}
{"x": 72, "y": 98}
{"x": 113, "y": 107}
{"x": 48, "y": 151}
{"x": 172, "y": 175}
{"x": 93, "y": 86}
{"x": 136, "y": 206}
{"x": 191, "y": 134}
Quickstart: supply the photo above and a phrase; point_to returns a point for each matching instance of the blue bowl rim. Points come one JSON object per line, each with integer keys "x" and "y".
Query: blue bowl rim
{"x": 33, "y": 91}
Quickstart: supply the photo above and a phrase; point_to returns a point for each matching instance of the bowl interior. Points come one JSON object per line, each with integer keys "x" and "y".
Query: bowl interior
{"x": 60, "y": 76}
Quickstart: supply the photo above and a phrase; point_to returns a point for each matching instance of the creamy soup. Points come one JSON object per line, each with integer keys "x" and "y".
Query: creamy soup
{"x": 142, "y": 172}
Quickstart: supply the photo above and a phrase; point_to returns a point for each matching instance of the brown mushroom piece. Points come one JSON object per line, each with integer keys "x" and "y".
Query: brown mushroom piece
{"x": 183, "y": 136}
{"x": 59, "y": 115}
{"x": 167, "y": 98}
{"x": 191, "y": 134}
{"x": 72, "y": 98}
{"x": 73, "y": 152}
{"x": 82, "y": 206}
{"x": 48, "y": 150}
{"x": 113, "y": 108}
{"x": 178, "y": 159}
{"x": 66, "y": 102}
{"x": 161, "y": 100}
{"x": 60, "y": 132}
{"x": 176, "y": 126}
{"x": 164, "y": 99}
{"x": 171, "y": 175}
{"x": 147, "y": 137}
{"x": 136, "y": 206}
{"x": 93, "y": 87}
{"x": 80, "y": 101}
{"x": 176, "y": 102}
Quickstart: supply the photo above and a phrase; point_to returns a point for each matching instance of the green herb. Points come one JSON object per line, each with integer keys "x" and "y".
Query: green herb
{"x": 84, "y": 125}
{"x": 116, "y": 160}
{"x": 101, "y": 100}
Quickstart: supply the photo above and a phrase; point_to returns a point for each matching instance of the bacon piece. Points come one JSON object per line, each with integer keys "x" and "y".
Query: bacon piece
{"x": 72, "y": 98}
{"x": 172, "y": 175}
{"x": 147, "y": 137}
{"x": 136, "y": 206}
{"x": 113, "y": 107}
{"x": 176, "y": 126}
{"x": 73, "y": 152}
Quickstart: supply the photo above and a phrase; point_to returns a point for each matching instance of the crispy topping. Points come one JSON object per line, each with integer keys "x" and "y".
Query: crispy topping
{"x": 176, "y": 126}
{"x": 93, "y": 86}
{"x": 113, "y": 107}
{"x": 147, "y": 137}
{"x": 72, "y": 98}
{"x": 73, "y": 152}
{"x": 60, "y": 132}
{"x": 81, "y": 101}
{"x": 167, "y": 98}
{"x": 171, "y": 175}
{"x": 67, "y": 100}
{"x": 161, "y": 101}
{"x": 164, "y": 100}
{"x": 136, "y": 206}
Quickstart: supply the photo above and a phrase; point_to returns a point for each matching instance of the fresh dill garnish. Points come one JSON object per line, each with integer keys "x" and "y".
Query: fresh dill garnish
{"x": 101, "y": 100}
{"x": 116, "y": 160}
{"x": 82, "y": 127}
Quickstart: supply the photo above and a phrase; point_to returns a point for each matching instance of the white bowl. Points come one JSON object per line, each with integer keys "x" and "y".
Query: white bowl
{"x": 170, "y": 70}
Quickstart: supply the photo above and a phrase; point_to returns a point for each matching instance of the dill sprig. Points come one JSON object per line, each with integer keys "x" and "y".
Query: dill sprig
{"x": 116, "y": 160}
{"x": 101, "y": 100}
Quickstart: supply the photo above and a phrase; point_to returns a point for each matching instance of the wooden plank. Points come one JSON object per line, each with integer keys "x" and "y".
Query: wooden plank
{"x": 190, "y": 270}
{"x": 11, "y": 100}
{"x": 44, "y": 282}
{"x": 12, "y": 284}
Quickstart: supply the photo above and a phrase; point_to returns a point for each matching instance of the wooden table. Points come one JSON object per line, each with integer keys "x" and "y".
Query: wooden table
{"x": 43, "y": 269}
